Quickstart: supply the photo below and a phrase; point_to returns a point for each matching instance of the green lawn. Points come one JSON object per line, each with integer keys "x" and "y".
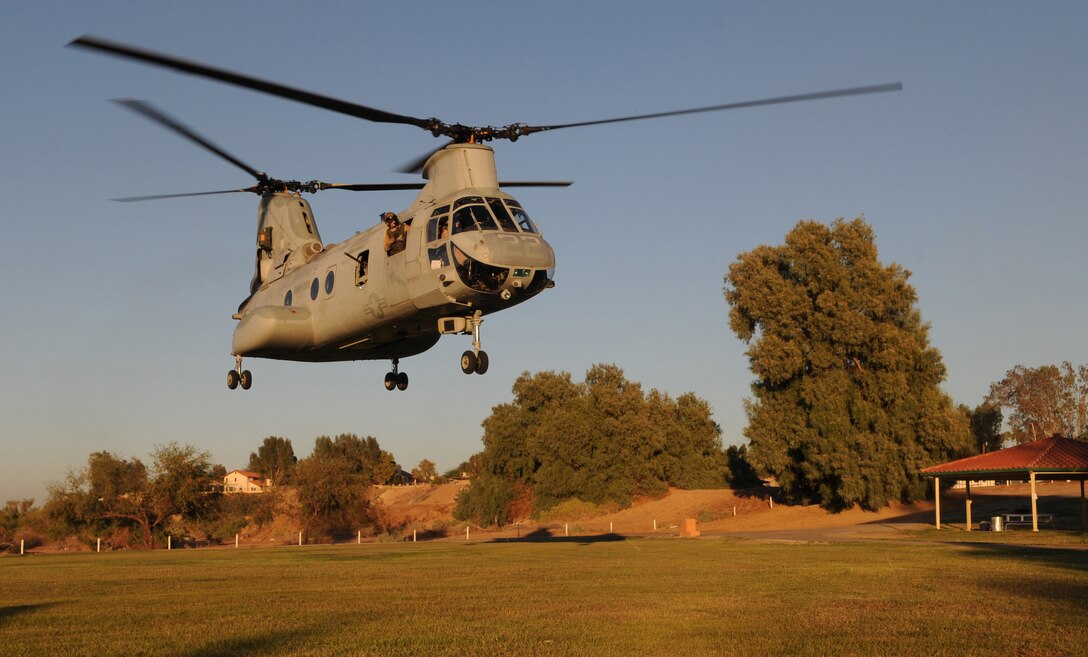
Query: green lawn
{"x": 650, "y": 596}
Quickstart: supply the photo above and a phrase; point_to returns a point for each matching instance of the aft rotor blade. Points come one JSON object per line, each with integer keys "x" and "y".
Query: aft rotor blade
{"x": 145, "y": 108}
{"x": 819, "y": 95}
{"x": 372, "y": 187}
{"x": 256, "y": 84}
{"x": 416, "y": 165}
{"x": 156, "y": 197}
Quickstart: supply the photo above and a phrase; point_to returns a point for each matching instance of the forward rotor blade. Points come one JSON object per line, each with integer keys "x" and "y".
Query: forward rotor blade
{"x": 156, "y": 115}
{"x": 156, "y": 197}
{"x": 820, "y": 95}
{"x": 381, "y": 187}
{"x": 537, "y": 183}
{"x": 256, "y": 84}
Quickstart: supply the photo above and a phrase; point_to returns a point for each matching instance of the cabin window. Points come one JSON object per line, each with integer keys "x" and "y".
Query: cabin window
{"x": 287, "y": 299}
{"x": 502, "y": 215}
{"x": 330, "y": 280}
{"x": 362, "y": 268}
{"x": 314, "y": 287}
{"x": 521, "y": 217}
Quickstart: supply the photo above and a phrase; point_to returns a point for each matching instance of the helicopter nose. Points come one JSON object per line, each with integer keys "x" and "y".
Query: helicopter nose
{"x": 507, "y": 249}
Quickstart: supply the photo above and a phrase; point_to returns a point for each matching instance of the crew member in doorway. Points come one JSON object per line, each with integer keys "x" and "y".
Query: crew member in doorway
{"x": 396, "y": 233}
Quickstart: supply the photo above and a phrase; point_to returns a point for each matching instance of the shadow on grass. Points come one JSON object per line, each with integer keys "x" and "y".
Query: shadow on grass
{"x": 10, "y": 611}
{"x": 544, "y": 535}
{"x": 269, "y": 643}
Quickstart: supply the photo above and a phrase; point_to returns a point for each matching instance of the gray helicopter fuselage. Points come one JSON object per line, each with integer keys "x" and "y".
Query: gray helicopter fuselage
{"x": 470, "y": 249}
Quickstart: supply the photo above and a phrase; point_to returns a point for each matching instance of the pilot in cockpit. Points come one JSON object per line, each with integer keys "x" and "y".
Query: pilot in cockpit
{"x": 396, "y": 233}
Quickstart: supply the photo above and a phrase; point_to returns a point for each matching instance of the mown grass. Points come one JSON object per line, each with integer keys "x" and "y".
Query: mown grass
{"x": 634, "y": 597}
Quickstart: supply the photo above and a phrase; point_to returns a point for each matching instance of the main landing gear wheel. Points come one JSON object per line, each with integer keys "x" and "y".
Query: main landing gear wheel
{"x": 474, "y": 362}
{"x": 396, "y": 379}
{"x": 238, "y": 376}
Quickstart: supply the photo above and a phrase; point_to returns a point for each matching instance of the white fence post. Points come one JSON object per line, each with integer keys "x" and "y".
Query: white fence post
{"x": 300, "y": 538}
{"x": 99, "y": 545}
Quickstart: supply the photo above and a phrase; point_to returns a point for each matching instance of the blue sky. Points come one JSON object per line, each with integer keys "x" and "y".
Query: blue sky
{"x": 116, "y": 328}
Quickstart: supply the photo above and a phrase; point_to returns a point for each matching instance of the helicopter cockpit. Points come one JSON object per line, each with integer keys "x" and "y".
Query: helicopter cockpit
{"x": 481, "y": 215}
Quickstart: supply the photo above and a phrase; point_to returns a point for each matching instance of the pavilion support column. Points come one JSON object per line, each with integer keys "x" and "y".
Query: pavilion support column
{"x": 1083, "y": 509}
{"x": 937, "y": 501}
{"x": 968, "y": 505}
{"x": 1034, "y": 505}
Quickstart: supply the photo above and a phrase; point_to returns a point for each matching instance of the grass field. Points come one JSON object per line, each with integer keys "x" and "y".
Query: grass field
{"x": 632, "y": 597}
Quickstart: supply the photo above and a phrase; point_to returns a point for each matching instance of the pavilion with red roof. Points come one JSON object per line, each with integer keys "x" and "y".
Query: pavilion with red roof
{"x": 1054, "y": 458}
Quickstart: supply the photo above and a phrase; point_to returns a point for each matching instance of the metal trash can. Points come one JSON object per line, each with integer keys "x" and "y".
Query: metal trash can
{"x": 997, "y": 524}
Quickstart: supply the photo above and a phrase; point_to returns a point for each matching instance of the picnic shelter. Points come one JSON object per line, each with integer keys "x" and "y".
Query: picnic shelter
{"x": 1050, "y": 459}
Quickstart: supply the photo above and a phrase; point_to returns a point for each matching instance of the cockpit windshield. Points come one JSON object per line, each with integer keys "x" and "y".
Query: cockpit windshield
{"x": 470, "y": 213}
{"x": 521, "y": 217}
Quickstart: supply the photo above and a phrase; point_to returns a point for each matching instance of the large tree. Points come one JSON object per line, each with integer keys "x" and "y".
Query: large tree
{"x": 180, "y": 482}
{"x": 332, "y": 495}
{"x": 1044, "y": 400}
{"x": 275, "y": 459}
{"x": 846, "y": 405}
{"x": 364, "y": 456}
{"x": 602, "y": 441}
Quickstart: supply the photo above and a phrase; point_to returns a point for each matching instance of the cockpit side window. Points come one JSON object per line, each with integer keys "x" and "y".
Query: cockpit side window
{"x": 438, "y": 228}
{"x": 521, "y": 217}
{"x": 502, "y": 215}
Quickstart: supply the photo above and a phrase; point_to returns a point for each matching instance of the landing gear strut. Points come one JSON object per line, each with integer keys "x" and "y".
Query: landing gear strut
{"x": 475, "y": 360}
{"x": 395, "y": 379}
{"x": 239, "y": 376}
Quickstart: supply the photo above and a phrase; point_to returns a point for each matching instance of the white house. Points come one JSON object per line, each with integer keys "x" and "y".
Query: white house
{"x": 244, "y": 481}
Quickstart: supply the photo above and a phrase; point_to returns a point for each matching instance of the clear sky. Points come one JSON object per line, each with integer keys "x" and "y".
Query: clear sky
{"x": 116, "y": 325}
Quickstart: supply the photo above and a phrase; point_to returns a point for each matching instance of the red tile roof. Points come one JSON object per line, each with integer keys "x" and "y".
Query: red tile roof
{"x": 245, "y": 473}
{"x": 1047, "y": 455}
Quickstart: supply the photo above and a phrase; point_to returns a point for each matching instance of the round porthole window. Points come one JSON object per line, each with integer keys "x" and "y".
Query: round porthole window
{"x": 314, "y": 287}
{"x": 287, "y": 298}
{"x": 329, "y": 283}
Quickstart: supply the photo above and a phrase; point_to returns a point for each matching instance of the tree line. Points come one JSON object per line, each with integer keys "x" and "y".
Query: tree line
{"x": 846, "y": 408}
{"x": 128, "y": 503}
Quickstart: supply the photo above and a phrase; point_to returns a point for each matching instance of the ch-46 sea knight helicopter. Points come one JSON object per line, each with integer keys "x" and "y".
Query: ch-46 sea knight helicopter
{"x": 471, "y": 250}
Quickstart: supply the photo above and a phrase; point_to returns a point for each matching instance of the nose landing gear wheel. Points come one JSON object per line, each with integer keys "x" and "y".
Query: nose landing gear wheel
{"x": 245, "y": 379}
{"x": 473, "y": 362}
{"x": 232, "y": 379}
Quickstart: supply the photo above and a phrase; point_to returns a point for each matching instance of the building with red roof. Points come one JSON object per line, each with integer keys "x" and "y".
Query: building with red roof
{"x": 1054, "y": 458}
{"x": 245, "y": 481}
